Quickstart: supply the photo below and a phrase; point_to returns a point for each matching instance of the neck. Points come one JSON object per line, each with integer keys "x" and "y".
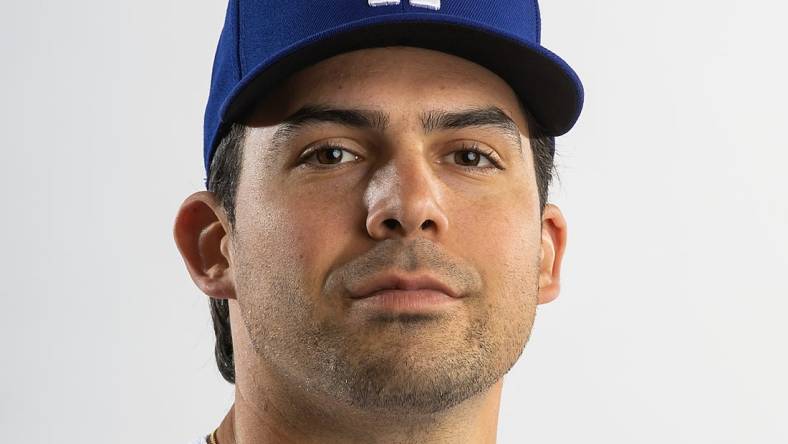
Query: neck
{"x": 276, "y": 415}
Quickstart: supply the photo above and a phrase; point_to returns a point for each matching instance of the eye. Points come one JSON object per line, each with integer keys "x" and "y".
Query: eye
{"x": 472, "y": 157}
{"x": 328, "y": 154}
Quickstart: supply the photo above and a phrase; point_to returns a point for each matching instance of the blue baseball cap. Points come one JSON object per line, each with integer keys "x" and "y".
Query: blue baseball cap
{"x": 265, "y": 41}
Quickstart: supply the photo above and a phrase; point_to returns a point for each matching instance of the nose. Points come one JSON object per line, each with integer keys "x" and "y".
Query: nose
{"x": 403, "y": 199}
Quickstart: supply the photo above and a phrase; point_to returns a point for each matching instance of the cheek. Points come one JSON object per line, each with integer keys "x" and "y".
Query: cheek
{"x": 319, "y": 228}
{"x": 295, "y": 234}
{"x": 499, "y": 231}
{"x": 502, "y": 238}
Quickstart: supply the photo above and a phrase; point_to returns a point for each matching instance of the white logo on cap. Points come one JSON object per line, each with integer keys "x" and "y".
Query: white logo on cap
{"x": 429, "y": 4}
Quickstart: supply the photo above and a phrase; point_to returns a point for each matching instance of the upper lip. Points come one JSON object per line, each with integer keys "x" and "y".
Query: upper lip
{"x": 401, "y": 281}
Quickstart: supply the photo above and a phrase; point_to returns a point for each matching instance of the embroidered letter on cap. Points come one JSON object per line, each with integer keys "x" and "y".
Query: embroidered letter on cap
{"x": 430, "y": 4}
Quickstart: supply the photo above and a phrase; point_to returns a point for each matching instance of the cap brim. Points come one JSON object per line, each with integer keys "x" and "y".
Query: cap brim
{"x": 545, "y": 83}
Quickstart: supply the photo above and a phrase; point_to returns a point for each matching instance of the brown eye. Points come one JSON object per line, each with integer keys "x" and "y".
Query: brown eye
{"x": 329, "y": 155}
{"x": 469, "y": 157}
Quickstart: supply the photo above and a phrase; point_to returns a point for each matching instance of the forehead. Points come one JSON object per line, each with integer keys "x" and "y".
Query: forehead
{"x": 399, "y": 80}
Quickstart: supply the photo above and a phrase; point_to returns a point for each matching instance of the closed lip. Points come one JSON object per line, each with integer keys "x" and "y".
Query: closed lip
{"x": 401, "y": 281}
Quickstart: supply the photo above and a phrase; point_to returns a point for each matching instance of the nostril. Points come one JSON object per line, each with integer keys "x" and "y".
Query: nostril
{"x": 427, "y": 223}
{"x": 391, "y": 223}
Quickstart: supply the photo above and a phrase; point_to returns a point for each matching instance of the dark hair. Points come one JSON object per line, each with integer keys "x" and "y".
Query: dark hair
{"x": 225, "y": 172}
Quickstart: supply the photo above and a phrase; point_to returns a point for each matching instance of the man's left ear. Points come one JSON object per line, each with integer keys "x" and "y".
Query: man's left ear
{"x": 552, "y": 252}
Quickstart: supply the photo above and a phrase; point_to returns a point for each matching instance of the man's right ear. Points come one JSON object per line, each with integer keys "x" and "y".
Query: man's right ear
{"x": 200, "y": 232}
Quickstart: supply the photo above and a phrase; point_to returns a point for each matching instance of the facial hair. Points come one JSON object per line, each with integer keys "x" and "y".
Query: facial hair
{"x": 408, "y": 364}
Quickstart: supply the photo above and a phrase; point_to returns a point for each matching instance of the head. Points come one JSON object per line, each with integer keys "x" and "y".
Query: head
{"x": 384, "y": 159}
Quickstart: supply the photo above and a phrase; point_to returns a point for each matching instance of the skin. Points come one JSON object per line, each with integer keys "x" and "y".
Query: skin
{"x": 312, "y": 365}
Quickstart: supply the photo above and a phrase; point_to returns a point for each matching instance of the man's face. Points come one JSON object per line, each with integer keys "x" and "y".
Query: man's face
{"x": 399, "y": 193}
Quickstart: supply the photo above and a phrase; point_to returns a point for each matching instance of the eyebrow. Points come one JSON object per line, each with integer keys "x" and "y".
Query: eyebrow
{"x": 434, "y": 120}
{"x": 474, "y": 117}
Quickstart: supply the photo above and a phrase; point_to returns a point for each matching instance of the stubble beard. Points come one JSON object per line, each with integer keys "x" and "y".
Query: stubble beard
{"x": 386, "y": 373}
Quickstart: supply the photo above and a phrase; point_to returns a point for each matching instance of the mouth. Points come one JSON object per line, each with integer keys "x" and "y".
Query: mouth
{"x": 406, "y": 301}
{"x": 403, "y": 282}
{"x": 406, "y": 294}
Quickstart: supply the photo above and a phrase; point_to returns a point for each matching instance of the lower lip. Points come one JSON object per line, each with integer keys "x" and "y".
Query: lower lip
{"x": 406, "y": 301}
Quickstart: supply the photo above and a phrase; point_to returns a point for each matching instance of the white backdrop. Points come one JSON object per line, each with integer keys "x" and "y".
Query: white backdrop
{"x": 671, "y": 323}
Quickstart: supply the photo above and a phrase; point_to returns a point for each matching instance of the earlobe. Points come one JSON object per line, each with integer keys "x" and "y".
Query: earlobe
{"x": 552, "y": 253}
{"x": 201, "y": 234}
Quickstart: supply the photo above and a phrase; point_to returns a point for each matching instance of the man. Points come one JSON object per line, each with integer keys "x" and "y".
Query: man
{"x": 374, "y": 238}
